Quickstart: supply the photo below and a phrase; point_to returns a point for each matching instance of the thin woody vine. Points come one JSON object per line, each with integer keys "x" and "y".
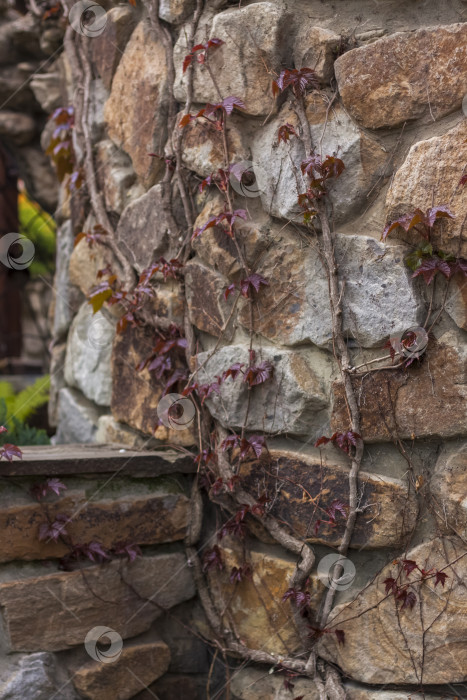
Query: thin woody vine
{"x": 221, "y": 453}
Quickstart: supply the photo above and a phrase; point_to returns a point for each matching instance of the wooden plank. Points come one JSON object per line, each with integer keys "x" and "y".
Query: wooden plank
{"x": 62, "y": 460}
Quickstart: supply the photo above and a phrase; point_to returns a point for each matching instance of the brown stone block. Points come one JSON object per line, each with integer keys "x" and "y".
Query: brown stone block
{"x": 310, "y": 481}
{"x": 137, "y": 666}
{"x": 208, "y": 310}
{"x": 426, "y": 400}
{"x": 108, "y": 50}
{"x": 135, "y": 395}
{"x": 142, "y": 518}
{"x": 136, "y": 110}
{"x": 405, "y": 76}
{"x": 49, "y": 612}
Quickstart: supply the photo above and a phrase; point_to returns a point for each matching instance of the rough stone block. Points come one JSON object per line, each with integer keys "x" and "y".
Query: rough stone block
{"x": 108, "y": 49}
{"x": 436, "y": 637}
{"x": 144, "y": 512}
{"x": 379, "y": 299}
{"x": 279, "y": 176}
{"x": 89, "y": 350}
{"x": 53, "y": 611}
{"x": 137, "y": 666}
{"x": 255, "y": 40}
{"x": 448, "y": 487}
{"x": 433, "y": 166}
{"x": 294, "y": 400}
{"x": 261, "y": 619}
{"x": 428, "y": 400}
{"x": 136, "y": 111}
{"x": 77, "y": 416}
{"x": 405, "y": 76}
{"x": 146, "y": 230}
{"x": 388, "y": 513}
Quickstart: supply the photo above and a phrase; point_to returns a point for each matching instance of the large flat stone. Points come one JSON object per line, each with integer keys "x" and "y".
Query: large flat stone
{"x": 293, "y": 401}
{"x": 388, "y": 511}
{"x": 89, "y": 350}
{"x": 255, "y": 40}
{"x": 433, "y": 166}
{"x": 136, "y": 110}
{"x": 396, "y": 646}
{"x": 141, "y": 512}
{"x": 137, "y": 667}
{"x": 426, "y": 401}
{"x": 53, "y": 611}
{"x": 380, "y": 298}
{"x": 261, "y": 619}
{"x": 405, "y": 76}
{"x": 280, "y": 177}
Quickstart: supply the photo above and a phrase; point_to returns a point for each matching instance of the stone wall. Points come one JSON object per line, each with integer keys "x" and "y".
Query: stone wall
{"x": 387, "y": 98}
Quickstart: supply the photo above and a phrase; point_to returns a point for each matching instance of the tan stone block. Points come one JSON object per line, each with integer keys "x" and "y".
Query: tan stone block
{"x": 430, "y": 175}
{"x": 261, "y": 619}
{"x": 405, "y": 76}
{"x": 387, "y": 644}
{"x": 136, "y": 110}
{"x": 85, "y": 262}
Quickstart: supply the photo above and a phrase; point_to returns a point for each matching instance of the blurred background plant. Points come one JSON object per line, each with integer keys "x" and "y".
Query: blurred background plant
{"x": 18, "y": 408}
{"x": 40, "y": 228}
